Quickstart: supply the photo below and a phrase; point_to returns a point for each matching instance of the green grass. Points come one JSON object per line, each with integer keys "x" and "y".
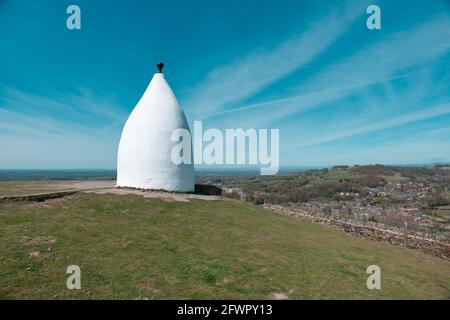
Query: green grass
{"x": 334, "y": 174}
{"x": 447, "y": 194}
{"x": 397, "y": 178}
{"x": 133, "y": 247}
{"x": 440, "y": 213}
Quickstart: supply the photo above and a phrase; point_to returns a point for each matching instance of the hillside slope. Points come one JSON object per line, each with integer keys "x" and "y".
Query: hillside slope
{"x": 130, "y": 247}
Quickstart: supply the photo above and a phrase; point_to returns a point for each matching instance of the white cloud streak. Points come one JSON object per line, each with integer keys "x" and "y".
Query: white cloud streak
{"x": 424, "y": 114}
{"x": 388, "y": 59}
{"x": 58, "y": 132}
{"x": 247, "y": 75}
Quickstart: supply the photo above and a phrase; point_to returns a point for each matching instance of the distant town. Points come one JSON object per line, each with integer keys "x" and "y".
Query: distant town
{"x": 418, "y": 197}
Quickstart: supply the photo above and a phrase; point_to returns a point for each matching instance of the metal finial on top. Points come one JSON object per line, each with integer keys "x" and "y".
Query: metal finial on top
{"x": 160, "y": 66}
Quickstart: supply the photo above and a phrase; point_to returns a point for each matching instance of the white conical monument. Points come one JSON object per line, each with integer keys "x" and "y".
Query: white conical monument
{"x": 144, "y": 156}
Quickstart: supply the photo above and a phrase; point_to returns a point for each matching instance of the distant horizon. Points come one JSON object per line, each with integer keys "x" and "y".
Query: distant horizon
{"x": 237, "y": 168}
{"x": 111, "y": 174}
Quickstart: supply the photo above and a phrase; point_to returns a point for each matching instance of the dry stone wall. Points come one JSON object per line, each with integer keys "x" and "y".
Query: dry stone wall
{"x": 396, "y": 236}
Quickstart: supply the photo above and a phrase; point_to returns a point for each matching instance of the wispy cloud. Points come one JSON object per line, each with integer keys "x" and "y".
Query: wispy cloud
{"x": 80, "y": 113}
{"x": 247, "y": 75}
{"x": 304, "y": 102}
{"x": 432, "y": 149}
{"x": 69, "y": 131}
{"x": 393, "y": 54}
{"x": 388, "y": 59}
{"x": 351, "y": 131}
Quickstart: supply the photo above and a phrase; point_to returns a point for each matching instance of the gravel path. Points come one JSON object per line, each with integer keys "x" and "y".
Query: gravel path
{"x": 28, "y": 188}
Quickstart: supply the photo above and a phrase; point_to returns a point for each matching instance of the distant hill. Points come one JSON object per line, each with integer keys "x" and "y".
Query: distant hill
{"x": 60, "y": 174}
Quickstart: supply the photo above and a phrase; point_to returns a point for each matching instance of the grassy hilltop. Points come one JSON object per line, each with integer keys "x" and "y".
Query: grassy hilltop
{"x": 130, "y": 247}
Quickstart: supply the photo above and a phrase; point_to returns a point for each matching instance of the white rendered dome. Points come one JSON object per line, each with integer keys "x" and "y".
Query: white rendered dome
{"x": 144, "y": 156}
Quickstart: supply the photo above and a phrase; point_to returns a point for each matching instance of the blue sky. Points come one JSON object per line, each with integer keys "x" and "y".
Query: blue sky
{"x": 338, "y": 92}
